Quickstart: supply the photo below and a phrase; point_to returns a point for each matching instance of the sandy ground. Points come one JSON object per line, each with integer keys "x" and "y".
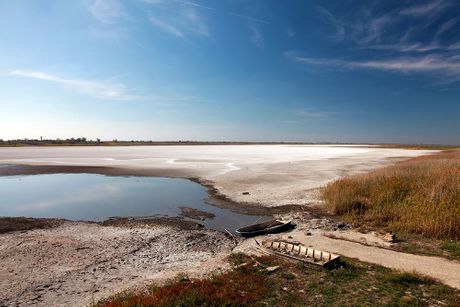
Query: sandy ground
{"x": 77, "y": 263}
{"x": 274, "y": 175}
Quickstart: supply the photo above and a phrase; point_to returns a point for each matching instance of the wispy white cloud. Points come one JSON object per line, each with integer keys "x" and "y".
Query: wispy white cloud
{"x": 195, "y": 5}
{"x": 425, "y": 9}
{"x": 412, "y": 38}
{"x": 106, "y": 11}
{"x": 165, "y": 26}
{"x": 249, "y": 18}
{"x": 455, "y": 46}
{"x": 405, "y": 47}
{"x": 447, "y": 26}
{"x": 108, "y": 14}
{"x": 256, "y": 36}
{"x": 376, "y": 29}
{"x": 179, "y": 21}
{"x": 99, "y": 89}
{"x": 338, "y": 33}
{"x": 194, "y": 21}
{"x": 400, "y": 26}
{"x": 235, "y": 14}
{"x": 108, "y": 90}
{"x": 184, "y": 3}
{"x": 447, "y": 66}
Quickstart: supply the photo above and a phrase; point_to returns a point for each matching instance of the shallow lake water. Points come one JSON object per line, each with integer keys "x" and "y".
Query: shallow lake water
{"x": 91, "y": 197}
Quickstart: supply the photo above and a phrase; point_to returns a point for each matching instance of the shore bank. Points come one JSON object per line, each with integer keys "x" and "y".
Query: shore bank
{"x": 77, "y": 263}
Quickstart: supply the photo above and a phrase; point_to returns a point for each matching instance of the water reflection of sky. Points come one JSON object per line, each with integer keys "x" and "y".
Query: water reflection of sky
{"x": 96, "y": 197}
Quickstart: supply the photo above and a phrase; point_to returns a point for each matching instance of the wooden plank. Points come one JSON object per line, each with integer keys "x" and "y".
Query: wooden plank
{"x": 303, "y": 251}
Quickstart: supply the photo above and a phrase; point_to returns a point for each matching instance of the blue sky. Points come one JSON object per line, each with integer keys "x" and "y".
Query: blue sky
{"x": 336, "y": 71}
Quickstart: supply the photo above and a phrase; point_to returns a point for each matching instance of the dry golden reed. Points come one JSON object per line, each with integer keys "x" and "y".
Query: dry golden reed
{"x": 421, "y": 195}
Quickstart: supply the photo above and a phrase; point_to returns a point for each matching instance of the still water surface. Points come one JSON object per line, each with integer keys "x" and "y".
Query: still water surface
{"x": 96, "y": 197}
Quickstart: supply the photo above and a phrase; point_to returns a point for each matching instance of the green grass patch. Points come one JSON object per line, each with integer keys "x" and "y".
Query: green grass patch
{"x": 452, "y": 247}
{"x": 420, "y": 245}
{"x": 293, "y": 284}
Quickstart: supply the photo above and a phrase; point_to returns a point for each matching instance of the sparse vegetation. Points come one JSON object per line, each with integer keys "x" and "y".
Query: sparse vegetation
{"x": 421, "y": 146}
{"x": 294, "y": 284}
{"x": 417, "y": 244}
{"x": 421, "y": 196}
{"x": 452, "y": 247}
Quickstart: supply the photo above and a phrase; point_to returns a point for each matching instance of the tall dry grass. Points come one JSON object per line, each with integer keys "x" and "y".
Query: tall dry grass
{"x": 421, "y": 195}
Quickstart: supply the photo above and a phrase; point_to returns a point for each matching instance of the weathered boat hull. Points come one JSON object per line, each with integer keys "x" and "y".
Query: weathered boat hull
{"x": 300, "y": 252}
{"x": 273, "y": 226}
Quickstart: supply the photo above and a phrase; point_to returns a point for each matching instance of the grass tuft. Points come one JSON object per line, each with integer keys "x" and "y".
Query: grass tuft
{"x": 408, "y": 279}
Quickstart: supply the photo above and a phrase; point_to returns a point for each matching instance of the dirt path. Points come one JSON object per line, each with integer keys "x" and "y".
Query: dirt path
{"x": 446, "y": 271}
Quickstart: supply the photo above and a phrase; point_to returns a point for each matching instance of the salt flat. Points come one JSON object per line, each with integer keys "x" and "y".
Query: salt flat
{"x": 272, "y": 174}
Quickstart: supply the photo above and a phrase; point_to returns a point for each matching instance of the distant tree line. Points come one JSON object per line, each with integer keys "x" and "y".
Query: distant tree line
{"x": 41, "y": 142}
{"x": 81, "y": 141}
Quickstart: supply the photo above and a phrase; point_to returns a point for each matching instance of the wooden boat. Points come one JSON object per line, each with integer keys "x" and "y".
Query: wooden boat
{"x": 299, "y": 252}
{"x": 272, "y": 226}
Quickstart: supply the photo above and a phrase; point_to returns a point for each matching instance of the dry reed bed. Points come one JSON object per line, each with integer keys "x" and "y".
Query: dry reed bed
{"x": 420, "y": 195}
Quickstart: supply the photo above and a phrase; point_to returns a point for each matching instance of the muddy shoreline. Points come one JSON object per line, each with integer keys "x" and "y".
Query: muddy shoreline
{"x": 216, "y": 198}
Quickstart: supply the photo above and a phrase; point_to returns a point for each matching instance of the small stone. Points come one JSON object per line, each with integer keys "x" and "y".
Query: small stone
{"x": 390, "y": 237}
{"x": 272, "y": 268}
{"x": 285, "y": 288}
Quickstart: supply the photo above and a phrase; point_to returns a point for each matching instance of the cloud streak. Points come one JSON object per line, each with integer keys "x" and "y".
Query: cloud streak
{"x": 96, "y": 88}
{"x": 397, "y": 28}
{"x": 425, "y": 9}
{"x": 419, "y": 38}
{"x": 339, "y": 29}
{"x": 249, "y": 18}
{"x": 165, "y": 26}
{"x": 179, "y": 22}
{"x": 447, "y": 66}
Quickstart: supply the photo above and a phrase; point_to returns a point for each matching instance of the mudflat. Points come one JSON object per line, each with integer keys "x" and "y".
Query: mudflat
{"x": 267, "y": 175}
{"x": 76, "y": 263}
